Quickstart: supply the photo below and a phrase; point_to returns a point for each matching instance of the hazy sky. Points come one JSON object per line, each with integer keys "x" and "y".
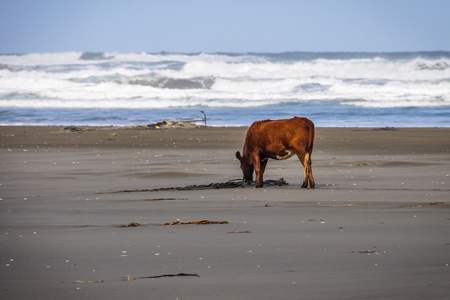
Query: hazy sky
{"x": 223, "y": 26}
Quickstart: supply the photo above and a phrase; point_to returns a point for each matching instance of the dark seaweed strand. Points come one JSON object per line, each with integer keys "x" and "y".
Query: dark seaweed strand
{"x": 220, "y": 185}
{"x": 172, "y": 275}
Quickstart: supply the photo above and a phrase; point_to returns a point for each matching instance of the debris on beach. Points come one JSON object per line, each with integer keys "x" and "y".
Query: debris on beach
{"x": 314, "y": 220}
{"x": 172, "y": 124}
{"x": 430, "y": 203}
{"x": 351, "y": 204}
{"x": 365, "y": 252}
{"x": 88, "y": 281}
{"x": 200, "y": 222}
{"x": 238, "y": 183}
{"x": 132, "y": 224}
{"x": 77, "y": 129}
{"x": 240, "y": 231}
{"x": 386, "y": 129}
{"x": 233, "y": 183}
{"x": 73, "y": 129}
{"x": 159, "y": 199}
{"x": 178, "y": 124}
{"x": 368, "y": 251}
{"x": 358, "y": 164}
{"x": 129, "y": 278}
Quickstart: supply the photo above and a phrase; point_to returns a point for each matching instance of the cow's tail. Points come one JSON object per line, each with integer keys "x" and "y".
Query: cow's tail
{"x": 307, "y": 159}
{"x": 312, "y": 133}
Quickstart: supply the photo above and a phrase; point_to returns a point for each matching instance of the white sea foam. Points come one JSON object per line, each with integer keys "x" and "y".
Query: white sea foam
{"x": 44, "y": 59}
{"x": 156, "y": 81}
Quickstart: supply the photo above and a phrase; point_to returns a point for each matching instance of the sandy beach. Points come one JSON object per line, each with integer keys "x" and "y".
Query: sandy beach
{"x": 376, "y": 226}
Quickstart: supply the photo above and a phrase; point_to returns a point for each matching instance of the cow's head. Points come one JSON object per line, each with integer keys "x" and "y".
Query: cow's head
{"x": 246, "y": 167}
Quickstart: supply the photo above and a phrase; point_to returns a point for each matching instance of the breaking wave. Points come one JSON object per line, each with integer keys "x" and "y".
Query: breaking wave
{"x": 223, "y": 80}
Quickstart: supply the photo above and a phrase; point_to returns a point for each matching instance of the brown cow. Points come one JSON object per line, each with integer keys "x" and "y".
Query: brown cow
{"x": 278, "y": 139}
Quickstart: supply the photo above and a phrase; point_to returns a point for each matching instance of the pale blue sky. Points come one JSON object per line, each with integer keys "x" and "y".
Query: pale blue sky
{"x": 28, "y": 26}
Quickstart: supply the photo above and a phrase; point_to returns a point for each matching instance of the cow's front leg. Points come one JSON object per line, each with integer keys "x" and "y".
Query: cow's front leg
{"x": 260, "y": 181}
{"x": 259, "y": 170}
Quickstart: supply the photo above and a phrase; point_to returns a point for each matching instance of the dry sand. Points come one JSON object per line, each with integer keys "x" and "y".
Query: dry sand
{"x": 376, "y": 226}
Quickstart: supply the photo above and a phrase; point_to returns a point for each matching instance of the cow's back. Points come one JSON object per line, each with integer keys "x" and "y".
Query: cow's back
{"x": 285, "y": 131}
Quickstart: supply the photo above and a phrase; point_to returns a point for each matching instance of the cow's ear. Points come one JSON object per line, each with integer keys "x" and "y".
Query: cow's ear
{"x": 238, "y": 155}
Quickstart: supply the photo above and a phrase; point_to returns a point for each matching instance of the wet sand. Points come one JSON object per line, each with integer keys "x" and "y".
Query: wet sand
{"x": 376, "y": 226}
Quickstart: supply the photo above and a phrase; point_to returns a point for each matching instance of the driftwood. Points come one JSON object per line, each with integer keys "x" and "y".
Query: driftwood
{"x": 201, "y": 222}
{"x": 436, "y": 203}
{"x": 88, "y": 281}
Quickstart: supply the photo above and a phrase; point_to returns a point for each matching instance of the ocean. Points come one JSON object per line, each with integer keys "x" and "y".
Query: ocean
{"x": 410, "y": 89}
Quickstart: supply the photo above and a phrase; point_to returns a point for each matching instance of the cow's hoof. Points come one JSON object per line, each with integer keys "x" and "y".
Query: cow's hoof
{"x": 258, "y": 186}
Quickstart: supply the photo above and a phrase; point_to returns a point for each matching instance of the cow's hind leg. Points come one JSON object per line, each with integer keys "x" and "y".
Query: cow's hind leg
{"x": 308, "y": 172}
{"x": 305, "y": 159}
